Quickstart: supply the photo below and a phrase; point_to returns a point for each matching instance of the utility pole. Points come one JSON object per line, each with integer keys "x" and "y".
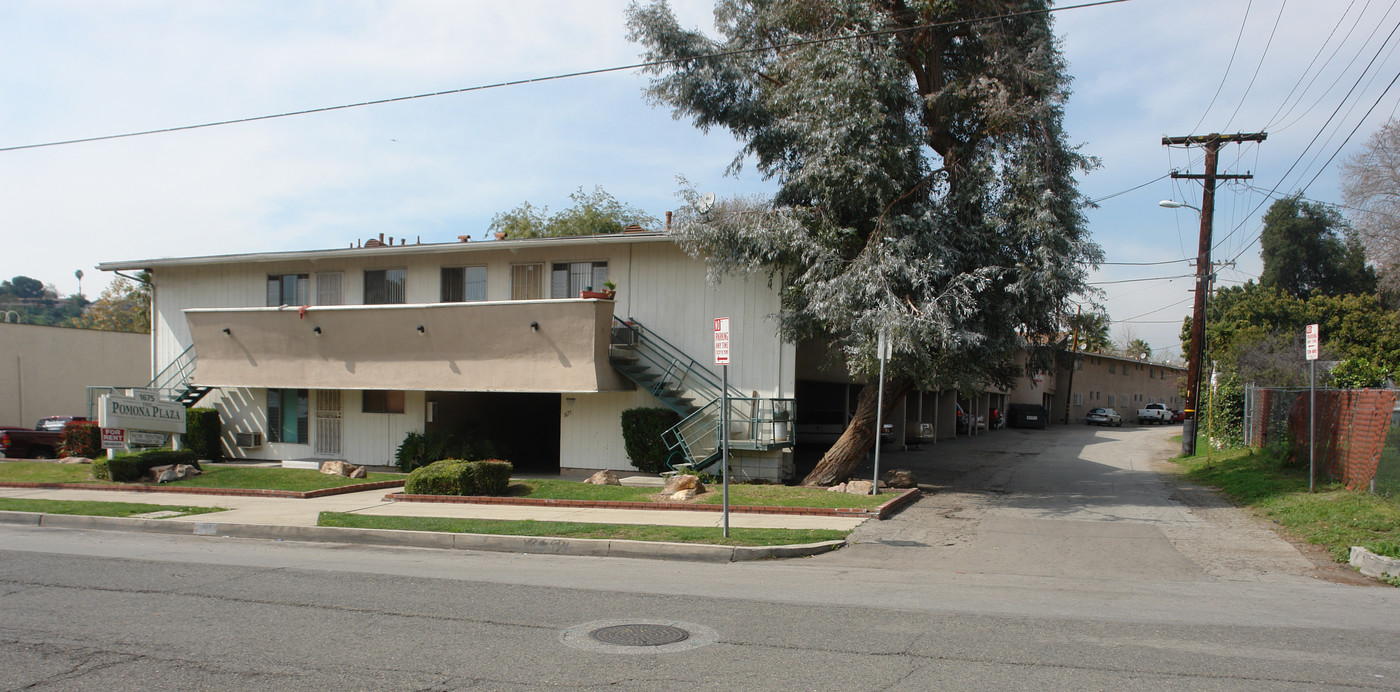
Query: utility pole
{"x": 1212, "y": 144}
{"x": 1073, "y": 361}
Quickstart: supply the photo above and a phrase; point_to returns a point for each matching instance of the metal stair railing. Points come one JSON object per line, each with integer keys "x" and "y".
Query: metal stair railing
{"x": 675, "y": 369}
{"x": 755, "y": 423}
{"x": 177, "y": 374}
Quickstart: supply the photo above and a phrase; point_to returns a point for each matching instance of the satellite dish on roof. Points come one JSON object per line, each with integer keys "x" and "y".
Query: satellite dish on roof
{"x": 707, "y": 202}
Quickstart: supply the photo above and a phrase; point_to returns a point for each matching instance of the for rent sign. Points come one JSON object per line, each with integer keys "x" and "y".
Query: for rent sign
{"x": 130, "y": 413}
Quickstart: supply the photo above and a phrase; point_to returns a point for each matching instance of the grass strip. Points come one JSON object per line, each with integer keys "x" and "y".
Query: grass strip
{"x": 96, "y": 509}
{"x": 214, "y": 476}
{"x": 565, "y": 529}
{"x": 1332, "y": 517}
{"x": 739, "y": 494}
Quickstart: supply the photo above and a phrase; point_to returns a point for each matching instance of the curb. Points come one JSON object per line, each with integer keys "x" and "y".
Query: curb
{"x": 226, "y": 492}
{"x": 882, "y": 512}
{"x": 1373, "y": 565}
{"x": 693, "y": 552}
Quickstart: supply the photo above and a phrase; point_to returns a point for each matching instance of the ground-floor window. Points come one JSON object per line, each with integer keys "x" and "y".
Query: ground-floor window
{"x": 382, "y": 401}
{"x": 287, "y": 416}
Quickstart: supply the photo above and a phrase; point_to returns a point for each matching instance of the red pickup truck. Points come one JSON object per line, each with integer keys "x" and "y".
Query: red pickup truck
{"x": 23, "y": 443}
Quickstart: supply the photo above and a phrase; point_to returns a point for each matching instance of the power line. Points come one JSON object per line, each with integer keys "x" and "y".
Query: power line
{"x": 1243, "y": 23}
{"x": 1144, "y": 264}
{"x": 568, "y": 75}
{"x": 1124, "y": 192}
{"x": 1260, "y": 66}
{"x": 1130, "y": 281}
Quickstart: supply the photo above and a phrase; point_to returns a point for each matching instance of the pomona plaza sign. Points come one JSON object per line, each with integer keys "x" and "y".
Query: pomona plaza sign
{"x": 137, "y": 414}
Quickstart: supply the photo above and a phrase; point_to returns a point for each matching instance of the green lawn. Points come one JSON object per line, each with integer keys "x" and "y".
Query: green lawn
{"x": 1333, "y": 517}
{"x": 214, "y": 476}
{"x": 739, "y": 494}
{"x": 96, "y": 509}
{"x": 563, "y": 529}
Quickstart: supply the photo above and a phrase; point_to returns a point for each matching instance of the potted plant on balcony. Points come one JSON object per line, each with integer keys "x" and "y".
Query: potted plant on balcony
{"x": 609, "y": 293}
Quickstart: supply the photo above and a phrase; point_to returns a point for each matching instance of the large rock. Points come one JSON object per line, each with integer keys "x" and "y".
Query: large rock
{"x": 604, "y": 477}
{"x": 683, "y": 495}
{"x": 901, "y": 478}
{"x": 75, "y": 460}
{"x": 838, "y": 488}
{"x": 859, "y": 487}
{"x": 172, "y": 472}
{"x": 341, "y": 468}
{"x": 678, "y": 483}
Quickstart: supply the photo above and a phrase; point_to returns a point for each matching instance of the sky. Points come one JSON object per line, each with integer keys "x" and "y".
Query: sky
{"x": 1315, "y": 75}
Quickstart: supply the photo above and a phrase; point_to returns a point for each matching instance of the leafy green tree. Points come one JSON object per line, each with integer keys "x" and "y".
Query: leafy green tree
{"x": 1137, "y": 348}
{"x": 926, "y": 189}
{"x": 124, "y": 306}
{"x": 594, "y": 213}
{"x": 23, "y": 287}
{"x": 1093, "y": 331}
{"x": 1304, "y": 252}
{"x": 1359, "y": 373}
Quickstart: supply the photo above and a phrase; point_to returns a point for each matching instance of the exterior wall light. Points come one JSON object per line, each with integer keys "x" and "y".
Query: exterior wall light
{"x": 421, "y": 330}
{"x": 316, "y": 331}
{"x": 228, "y": 332}
{"x": 534, "y": 326}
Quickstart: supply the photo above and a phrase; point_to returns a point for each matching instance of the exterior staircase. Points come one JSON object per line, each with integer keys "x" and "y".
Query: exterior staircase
{"x": 687, "y": 387}
{"x": 175, "y": 380}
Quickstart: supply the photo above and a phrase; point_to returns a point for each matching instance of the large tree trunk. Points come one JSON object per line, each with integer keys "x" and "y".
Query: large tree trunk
{"x": 841, "y": 460}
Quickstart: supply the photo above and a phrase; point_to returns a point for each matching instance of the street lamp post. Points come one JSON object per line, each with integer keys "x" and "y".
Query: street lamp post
{"x": 1198, "y": 325}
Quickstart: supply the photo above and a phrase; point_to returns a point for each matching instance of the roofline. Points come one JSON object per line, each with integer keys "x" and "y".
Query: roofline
{"x": 1126, "y": 359}
{"x": 380, "y": 251}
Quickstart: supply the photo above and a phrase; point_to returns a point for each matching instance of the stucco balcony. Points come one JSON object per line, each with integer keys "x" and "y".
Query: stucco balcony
{"x": 510, "y": 346}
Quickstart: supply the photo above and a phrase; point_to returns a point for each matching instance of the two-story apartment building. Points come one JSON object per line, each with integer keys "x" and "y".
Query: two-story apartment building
{"x": 341, "y": 353}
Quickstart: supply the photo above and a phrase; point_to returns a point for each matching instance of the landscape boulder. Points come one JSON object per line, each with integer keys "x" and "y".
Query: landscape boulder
{"x": 172, "y": 472}
{"x": 75, "y": 460}
{"x": 859, "y": 487}
{"x": 341, "y": 468}
{"x": 676, "y": 484}
{"x": 604, "y": 477}
{"x": 901, "y": 478}
{"x": 683, "y": 495}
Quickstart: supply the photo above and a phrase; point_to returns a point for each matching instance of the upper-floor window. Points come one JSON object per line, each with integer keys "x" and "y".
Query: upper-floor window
{"x": 287, "y": 289}
{"x": 328, "y": 288}
{"x": 386, "y": 286}
{"x": 1112, "y": 369}
{"x": 463, "y": 284}
{"x": 566, "y": 279}
{"x": 526, "y": 281}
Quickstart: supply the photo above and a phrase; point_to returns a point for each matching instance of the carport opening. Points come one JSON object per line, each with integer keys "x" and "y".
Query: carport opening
{"x": 523, "y": 428}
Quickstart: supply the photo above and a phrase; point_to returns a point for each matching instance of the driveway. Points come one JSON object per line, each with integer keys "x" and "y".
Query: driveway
{"x": 1072, "y": 502}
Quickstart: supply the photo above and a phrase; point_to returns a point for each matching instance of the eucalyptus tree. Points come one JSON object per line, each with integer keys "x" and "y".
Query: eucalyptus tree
{"x": 925, "y": 186}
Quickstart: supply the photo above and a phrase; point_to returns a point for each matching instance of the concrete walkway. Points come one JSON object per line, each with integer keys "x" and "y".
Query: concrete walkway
{"x": 270, "y": 511}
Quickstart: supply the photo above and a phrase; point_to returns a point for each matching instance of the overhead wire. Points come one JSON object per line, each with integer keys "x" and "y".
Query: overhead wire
{"x": 1260, "y": 66}
{"x": 1243, "y": 23}
{"x": 1279, "y": 114}
{"x": 568, "y": 75}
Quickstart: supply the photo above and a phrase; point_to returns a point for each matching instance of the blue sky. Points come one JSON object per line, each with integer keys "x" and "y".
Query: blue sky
{"x": 442, "y": 167}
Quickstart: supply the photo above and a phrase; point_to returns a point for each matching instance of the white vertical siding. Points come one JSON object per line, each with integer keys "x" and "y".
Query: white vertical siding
{"x": 590, "y": 430}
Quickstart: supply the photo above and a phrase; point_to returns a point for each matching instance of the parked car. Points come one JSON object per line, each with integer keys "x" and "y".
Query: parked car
{"x": 965, "y": 420}
{"x": 23, "y": 443}
{"x": 1103, "y": 416}
{"x": 1028, "y": 416}
{"x": 56, "y": 423}
{"x": 1155, "y": 413}
{"x": 1178, "y": 415}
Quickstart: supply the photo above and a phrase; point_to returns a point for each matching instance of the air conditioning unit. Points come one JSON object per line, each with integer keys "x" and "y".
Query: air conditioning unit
{"x": 248, "y": 439}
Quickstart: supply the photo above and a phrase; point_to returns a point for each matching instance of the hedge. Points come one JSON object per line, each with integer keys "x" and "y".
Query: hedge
{"x": 460, "y": 477}
{"x": 203, "y": 429}
{"x": 641, "y": 437}
{"x": 81, "y": 438}
{"x": 133, "y": 467}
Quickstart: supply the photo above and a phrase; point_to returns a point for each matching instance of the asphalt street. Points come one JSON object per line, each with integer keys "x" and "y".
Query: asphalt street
{"x": 1062, "y": 559}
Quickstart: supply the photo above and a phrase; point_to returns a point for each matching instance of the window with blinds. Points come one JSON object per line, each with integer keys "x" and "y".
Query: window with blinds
{"x": 463, "y": 284}
{"x": 386, "y": 286}
{"x": 526, "y": 281}
{"x": 328, "y": 288}
{"x": 566, "y": 279}
{"x": 287, "y": 289}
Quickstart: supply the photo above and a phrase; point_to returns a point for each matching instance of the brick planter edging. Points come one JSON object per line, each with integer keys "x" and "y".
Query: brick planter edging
{"x": 228, "y": 492}
{"x": 881, "y": 512}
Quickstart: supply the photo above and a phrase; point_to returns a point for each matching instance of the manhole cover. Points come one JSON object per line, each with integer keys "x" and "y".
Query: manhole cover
{"x": 640, "y": 635}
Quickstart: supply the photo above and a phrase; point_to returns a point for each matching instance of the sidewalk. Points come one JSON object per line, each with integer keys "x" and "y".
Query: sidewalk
{"x": 291, "y": 518}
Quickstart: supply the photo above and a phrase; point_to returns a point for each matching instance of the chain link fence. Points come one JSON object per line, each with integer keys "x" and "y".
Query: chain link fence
{"x": 1357, "y": 432}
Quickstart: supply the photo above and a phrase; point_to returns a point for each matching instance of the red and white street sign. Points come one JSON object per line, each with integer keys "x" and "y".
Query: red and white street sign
{"x": 113, "y": 438}
{"x": 721, "y": 341}
{"x": 1312, "y": 342}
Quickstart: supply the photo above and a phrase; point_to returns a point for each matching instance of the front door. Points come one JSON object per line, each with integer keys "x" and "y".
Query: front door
{"x": 328, "y": 417}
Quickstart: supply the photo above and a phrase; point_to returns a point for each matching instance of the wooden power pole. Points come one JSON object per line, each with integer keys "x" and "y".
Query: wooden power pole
{"x": 1211, "y": 143}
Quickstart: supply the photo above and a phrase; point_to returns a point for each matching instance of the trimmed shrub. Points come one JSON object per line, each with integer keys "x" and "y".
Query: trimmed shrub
{"x": 81, "y": 438}
{"x": 418, "y": 449}
{"x": 203, "y": 429}
{"x": 641, "y": 436}
{"x": 100, "y": 471}
{"x": 133, "y": 467}
{"x": 459, "y": 477}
